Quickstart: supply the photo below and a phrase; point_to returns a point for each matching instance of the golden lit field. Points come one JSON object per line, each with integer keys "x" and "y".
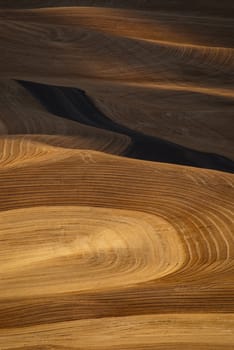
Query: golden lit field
{"x": 116, "y": 175}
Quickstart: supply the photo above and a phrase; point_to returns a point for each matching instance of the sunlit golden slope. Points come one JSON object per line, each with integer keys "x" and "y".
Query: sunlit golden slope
{"x": 86, "y": 235}
{"x": 168, "y": 75}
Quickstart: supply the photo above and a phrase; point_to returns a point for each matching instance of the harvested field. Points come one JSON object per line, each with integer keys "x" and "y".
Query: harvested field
{"x": 116, "y": 175}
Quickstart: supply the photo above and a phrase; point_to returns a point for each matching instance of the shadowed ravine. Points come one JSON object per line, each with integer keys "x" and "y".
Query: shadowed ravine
{"x": 74, "y": 104}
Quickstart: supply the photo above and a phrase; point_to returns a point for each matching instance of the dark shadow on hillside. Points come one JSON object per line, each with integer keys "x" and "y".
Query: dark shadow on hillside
{"x": 74, "y": 104}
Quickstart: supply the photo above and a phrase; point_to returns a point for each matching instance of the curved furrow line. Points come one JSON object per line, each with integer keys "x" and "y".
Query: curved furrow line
{"x": 148, "y": 250}
{"x": 175, "y": 206}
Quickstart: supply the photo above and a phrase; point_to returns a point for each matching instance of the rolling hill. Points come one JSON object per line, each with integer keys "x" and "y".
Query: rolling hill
{"x": 116, "y": 175}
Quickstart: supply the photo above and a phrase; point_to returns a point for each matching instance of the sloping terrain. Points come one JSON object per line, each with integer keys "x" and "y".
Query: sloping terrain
{"x": 168, "y": 75}
{"x": 21, "y": 114}
{"x": 101, "y": 248}
{"x": 88, "y": 236}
